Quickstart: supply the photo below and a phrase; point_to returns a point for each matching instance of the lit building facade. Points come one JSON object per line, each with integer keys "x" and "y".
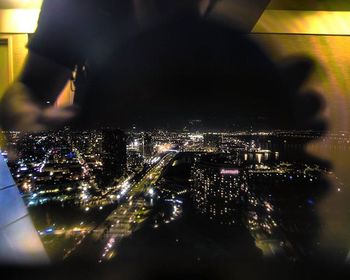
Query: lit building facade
{"x": 220, "y": 190}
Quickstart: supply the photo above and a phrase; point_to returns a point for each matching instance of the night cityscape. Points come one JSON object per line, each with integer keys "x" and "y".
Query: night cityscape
{"x": 174, "y": 139}
{"x": 88, "y": 192}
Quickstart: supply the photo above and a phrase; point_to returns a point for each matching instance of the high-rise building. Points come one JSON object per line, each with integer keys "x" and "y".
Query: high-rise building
{"x": 134, "y": 160}
{"x": 113, "y": 155}
{"x": 220, "y": 188}
{"x": 148, "y": 148}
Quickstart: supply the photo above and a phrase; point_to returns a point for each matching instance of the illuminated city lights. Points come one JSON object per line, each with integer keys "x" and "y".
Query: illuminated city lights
{"x": 230, "y": 179}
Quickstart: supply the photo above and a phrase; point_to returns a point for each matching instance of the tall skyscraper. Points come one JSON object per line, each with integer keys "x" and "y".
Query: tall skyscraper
{"x": 147, "y": 145}
{"x": 220, "y": 188}
{"x": 113, "y": 155}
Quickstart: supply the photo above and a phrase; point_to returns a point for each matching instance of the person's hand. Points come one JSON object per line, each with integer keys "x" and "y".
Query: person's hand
{"x": 18, "y": 111}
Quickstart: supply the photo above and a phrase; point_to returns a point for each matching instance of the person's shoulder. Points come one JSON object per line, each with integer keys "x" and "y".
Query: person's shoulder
{"x": 64, "y": 11}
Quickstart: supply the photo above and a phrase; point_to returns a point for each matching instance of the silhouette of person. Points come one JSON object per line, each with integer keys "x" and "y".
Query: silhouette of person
{"x": 70, "y": 34}
{"x": 193, "y": 68}
{"x": 139, "y": 55}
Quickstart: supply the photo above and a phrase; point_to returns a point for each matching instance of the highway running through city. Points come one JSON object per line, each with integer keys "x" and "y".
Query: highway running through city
{"x": 134, "y": 203}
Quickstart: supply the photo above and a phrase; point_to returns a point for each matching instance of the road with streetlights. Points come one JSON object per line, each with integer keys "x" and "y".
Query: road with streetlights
{"x": 135, "y": 199}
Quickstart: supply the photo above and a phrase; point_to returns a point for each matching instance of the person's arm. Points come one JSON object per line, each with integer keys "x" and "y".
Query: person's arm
{"x": 23, "y": 106}
{"x": 64, "y": 30}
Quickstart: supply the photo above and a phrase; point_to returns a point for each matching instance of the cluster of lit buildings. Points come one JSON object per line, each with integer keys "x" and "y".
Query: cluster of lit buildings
{"x": 253, "y": 188}
{"x": 67, "y": 165}
{"x": 235, "y": 178}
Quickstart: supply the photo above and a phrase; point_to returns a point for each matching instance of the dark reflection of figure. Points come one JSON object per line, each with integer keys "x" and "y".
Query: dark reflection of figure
{"x": 223, "y": 227}
{"x": 193, "y": 68}
{"x": 189, "y": 68}
{"x": 211, "y": 72}
{"x": 192, "y": 244}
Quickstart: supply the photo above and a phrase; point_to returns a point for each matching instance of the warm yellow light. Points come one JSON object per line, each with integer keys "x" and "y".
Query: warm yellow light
{"x": 18, "y": 20}
{"x": 20, "y": 4}
{"x": 304, "y": 22}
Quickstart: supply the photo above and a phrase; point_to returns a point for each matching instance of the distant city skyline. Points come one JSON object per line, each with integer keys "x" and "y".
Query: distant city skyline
{"x": 231, "y": 178}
